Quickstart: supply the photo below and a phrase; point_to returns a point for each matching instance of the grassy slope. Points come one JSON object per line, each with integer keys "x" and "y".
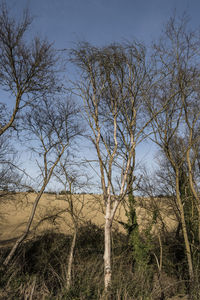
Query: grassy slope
{"x": 52, "y": 212}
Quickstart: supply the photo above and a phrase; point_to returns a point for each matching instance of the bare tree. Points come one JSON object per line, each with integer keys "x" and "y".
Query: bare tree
{"x": 189, "y": 90}
{"x": 115, "y": 84}
{"x": 27, "y": 70}
{"x": 9, "y": 177}
{"x": 71, "y": 180}
{"x": 175, "y": 130}
{"x": 12, "y": 177}
{"x": 51, "y": 130}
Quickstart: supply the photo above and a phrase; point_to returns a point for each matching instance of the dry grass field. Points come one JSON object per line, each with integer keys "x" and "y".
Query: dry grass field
{"x": 53, "y": 213}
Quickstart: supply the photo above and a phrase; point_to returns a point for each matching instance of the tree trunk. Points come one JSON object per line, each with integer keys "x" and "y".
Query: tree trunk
{"x": 23, "y": 237}
{"x": 70, "y": 261}
{"x": 184, "y": 228}
{"x": 37, "y": 199}
{"x": 194, "y": 192}
{"x": 107, "y": 249}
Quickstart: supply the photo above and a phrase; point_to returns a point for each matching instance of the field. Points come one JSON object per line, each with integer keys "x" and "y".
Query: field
{"x": 53, "y": 213}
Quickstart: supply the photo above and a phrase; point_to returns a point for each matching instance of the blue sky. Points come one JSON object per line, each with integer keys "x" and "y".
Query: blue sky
{"x": 100, "y": 22}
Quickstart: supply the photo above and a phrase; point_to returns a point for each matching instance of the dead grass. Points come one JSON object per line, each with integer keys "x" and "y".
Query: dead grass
{"x": 53, "y": 213}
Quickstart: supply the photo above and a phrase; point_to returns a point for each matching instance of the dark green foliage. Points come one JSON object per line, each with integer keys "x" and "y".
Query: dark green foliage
{"x": 141, "y": 246}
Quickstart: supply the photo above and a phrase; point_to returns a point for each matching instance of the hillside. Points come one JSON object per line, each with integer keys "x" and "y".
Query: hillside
{"x": 53, "y": 213}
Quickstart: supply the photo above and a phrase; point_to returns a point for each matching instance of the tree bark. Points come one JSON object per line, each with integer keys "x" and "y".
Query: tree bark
{"x": 194, "y": 192}
{"x": 107, "y": 248}
{"x": 70, "y": 261}
{"x": 12, "y": 118}
{"x": 184, "y": 228}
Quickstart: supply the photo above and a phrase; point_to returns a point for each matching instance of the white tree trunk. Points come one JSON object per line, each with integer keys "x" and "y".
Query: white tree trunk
{"x": 107, "y": 248}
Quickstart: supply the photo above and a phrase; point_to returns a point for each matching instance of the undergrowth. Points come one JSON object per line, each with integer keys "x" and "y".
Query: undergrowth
{"x": 38, "y": 271}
